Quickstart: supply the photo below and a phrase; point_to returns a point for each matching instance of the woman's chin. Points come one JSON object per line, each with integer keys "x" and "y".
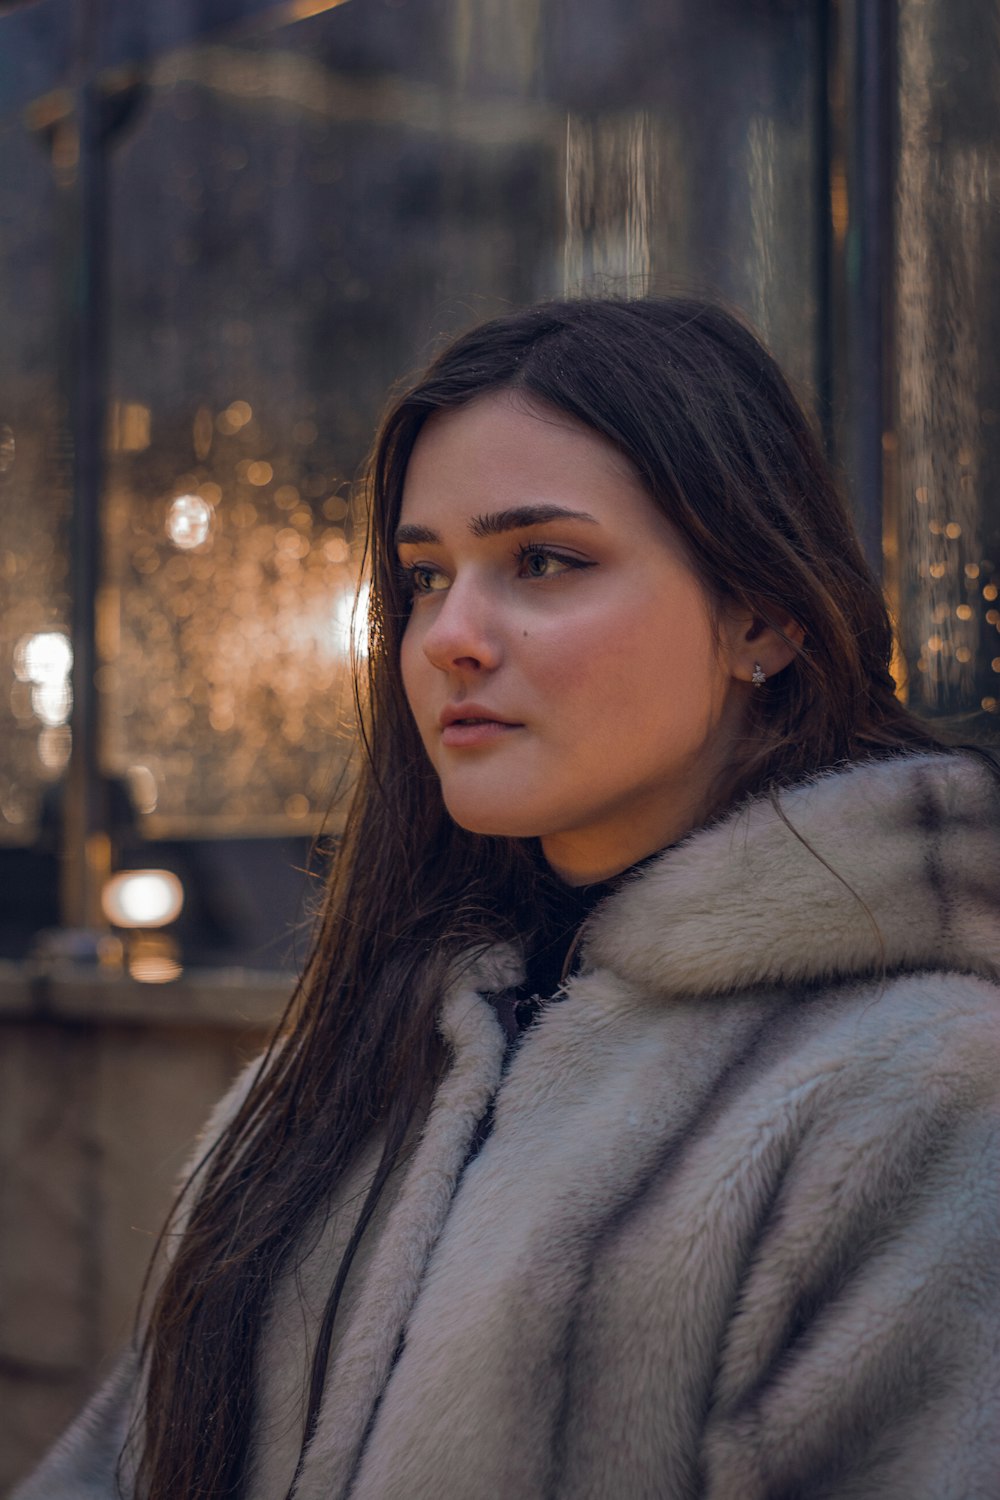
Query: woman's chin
{"x": 500, "y": 822}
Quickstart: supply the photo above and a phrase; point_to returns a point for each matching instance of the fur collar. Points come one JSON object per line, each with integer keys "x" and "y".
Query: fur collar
{"x": 883, "y": 866}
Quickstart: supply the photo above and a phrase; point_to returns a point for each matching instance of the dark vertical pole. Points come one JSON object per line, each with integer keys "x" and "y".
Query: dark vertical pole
{"x": 860, "y": 228}
{"x": 872, "y": 300}
{"x": 824, "y": 19}
{"x": 86, "y": 845}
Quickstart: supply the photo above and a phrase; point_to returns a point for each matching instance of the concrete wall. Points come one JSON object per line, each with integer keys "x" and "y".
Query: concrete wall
{"x": 104, "y": 1085}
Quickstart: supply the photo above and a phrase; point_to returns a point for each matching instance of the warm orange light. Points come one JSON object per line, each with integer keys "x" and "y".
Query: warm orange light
{"x": 301, "y": 10}
{"x": 128, "y": 427}
{"x": 839, "y": 212}
{"x": 152, "y": 958}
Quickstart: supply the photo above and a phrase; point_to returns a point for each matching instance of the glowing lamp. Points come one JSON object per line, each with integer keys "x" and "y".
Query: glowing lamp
{"x": 142, "y": 898}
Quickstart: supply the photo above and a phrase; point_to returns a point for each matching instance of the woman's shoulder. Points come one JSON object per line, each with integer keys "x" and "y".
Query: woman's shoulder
{"x": 919, "y": 1035}
{"x": 888, "y": 865}
{"x": 890, "y": 1080}
{"x": 222, "y": 1115}
{"x": 226, "y": 1108}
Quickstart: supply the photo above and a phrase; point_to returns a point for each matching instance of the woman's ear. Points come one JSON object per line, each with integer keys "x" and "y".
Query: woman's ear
{"x": 754, "y": 645}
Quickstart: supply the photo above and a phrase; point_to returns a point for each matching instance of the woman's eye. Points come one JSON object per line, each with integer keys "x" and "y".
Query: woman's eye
{"x": 420, "y": 578}
{"x": 538, "y": 562}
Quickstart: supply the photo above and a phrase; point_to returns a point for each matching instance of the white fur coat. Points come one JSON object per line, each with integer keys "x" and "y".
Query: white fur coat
{"x": 736, "y": 1232}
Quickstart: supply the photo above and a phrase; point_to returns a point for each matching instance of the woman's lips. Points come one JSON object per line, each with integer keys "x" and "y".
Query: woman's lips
{"x": 466, "y": 733}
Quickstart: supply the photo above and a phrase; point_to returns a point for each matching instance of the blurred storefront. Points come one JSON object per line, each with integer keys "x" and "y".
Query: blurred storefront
{"x": 226, "y": 228}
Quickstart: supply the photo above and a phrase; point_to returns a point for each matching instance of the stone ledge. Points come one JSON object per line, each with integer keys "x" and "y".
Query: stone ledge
{"x": 237, "y": 998}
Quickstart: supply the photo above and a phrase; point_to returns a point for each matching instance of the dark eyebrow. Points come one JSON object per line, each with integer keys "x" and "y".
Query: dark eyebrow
{"x": 406, "y": 534}
{"x": 497, "y": 521}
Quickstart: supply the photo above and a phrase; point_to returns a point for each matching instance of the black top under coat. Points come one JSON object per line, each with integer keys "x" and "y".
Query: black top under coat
{"x": 564, "y": 909}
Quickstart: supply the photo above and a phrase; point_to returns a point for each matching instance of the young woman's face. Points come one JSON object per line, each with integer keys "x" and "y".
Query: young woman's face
{"x": 560, "y": 659}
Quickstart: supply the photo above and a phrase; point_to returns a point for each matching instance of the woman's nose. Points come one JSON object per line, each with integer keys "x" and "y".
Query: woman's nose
{"x": 464, "y": 634}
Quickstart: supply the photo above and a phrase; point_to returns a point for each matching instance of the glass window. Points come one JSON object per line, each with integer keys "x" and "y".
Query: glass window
{"x": 35, "y": 478}
{"x": 944, "y": 544}
{"x": 294, "y": 204}
{"x": 297, "y": 213}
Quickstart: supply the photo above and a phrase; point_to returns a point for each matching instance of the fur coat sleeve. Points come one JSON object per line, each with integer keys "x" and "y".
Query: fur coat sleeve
{"x": 861, "y": 1355}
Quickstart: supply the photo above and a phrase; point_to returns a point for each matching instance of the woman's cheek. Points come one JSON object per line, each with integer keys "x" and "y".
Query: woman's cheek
{"x": 412, "y": 664}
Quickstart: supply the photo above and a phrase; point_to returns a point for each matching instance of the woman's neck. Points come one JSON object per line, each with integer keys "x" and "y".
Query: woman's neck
{"x": 580, "y": 866}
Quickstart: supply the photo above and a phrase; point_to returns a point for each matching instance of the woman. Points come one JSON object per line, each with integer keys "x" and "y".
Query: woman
{"x": 635, "y": 1132}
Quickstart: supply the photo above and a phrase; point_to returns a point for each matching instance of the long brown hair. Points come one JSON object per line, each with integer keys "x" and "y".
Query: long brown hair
{"x": 707, "y": 420}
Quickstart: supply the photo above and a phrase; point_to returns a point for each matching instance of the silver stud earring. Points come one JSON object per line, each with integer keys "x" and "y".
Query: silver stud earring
{"x": 759, "y": 675}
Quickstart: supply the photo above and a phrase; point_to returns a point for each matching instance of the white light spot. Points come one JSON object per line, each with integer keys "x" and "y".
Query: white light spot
{"x": 52, "y": 702}
{"x": 142, "y": 785}
{"x": 344, "y": 611}
{"x": 189, "y": 521}
{"x": 142, "y": 898}
{"x": 43, "y": 658}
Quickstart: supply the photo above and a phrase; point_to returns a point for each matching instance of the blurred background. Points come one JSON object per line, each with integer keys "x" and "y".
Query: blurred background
{"x": 227, "y": 227}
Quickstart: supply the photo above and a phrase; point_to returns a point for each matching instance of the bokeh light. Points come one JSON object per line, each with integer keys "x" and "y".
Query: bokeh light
{"x": 350, "y": 622}
{"x": 189, "y": 521}
{"x": 142, "y": 898}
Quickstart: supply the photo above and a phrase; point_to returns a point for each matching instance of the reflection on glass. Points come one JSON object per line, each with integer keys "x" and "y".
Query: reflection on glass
{"x": 611, "y": 180}
{"x": 142, "y": 788}
{"x": 948, "y": 323}
{"x": 35, "y": 456}
{"x": 43, "y": 663}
